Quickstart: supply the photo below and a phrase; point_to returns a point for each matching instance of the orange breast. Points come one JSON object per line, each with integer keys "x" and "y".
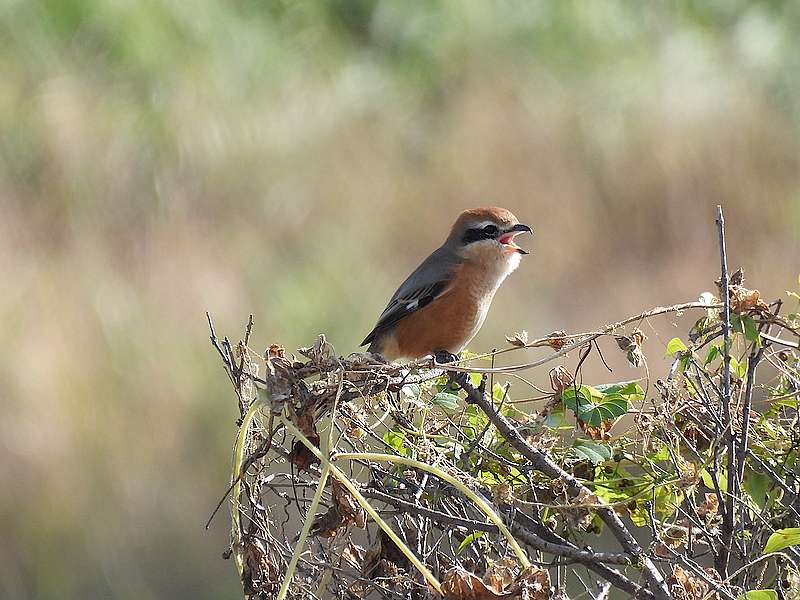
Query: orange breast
{"x": 447, "y": 323}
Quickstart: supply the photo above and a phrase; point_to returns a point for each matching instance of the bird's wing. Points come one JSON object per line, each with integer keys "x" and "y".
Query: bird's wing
{"x": 428, "y": 281}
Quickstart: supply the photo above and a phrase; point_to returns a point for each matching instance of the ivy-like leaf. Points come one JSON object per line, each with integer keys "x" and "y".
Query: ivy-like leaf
{"x": 783, "y": 538}
{"x": 631, "y": 390}
{"x": 713, "y": 352}
{"x": 595, "y": 452}
{"x": 675, "y": 345}
{"x": 446, "y": 400}
{"x": 592, "y": 406}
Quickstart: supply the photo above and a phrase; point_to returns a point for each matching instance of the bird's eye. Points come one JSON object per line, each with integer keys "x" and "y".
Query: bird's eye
{"x": 490, "y": 231}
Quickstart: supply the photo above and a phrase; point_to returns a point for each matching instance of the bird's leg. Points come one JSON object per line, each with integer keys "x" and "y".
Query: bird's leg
{"x": 442, "y": 357}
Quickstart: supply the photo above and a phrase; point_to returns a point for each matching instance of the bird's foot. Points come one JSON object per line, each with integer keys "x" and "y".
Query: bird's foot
{"x": 443, "y": 357}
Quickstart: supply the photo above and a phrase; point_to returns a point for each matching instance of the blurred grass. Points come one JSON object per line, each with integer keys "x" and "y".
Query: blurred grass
{"x": 296, "y": 160}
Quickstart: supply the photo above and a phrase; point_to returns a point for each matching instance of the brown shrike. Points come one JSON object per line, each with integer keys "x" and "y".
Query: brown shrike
{"x": 441, "y": 306}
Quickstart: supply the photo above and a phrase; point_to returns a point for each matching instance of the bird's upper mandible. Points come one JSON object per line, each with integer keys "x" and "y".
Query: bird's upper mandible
{"x": 442, "y": 304}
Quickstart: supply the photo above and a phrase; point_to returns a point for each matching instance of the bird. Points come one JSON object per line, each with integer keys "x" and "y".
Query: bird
{"x": 441, "y": 306}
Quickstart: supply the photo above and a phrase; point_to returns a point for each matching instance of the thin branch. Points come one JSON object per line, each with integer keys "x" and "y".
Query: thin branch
{"x": 545, "y": 464}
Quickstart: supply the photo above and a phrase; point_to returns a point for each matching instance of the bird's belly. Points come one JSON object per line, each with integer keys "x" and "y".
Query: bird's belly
{"x": 448, "y": 323}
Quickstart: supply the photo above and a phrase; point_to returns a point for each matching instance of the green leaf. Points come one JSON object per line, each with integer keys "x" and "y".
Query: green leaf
{"x": 713, "y": 352}
{"x": 396, "y": 441}
{"x": 661, "y": 455}
{"x": 708, "y": 481}
{"x": 675, "y": 345}
{"x": 556, "y": 419}
{"x": 476, "y": 421}
{"x": 757, "y": 486}
{"x": 446, "y": 400}
{"x": 573, "y": 397}
{"x": 759, "y": 595}
{"x": 738, "y": 368}
{"x": 751, "y": 330}
{"x": 593, "y": 451}
{"x": 411, "y": 391}
{"x": 736, "y": 323}
{"x": 593, "y": 407}
{"x": 783, "y": 538}
{"x": 629, "y": 389}
{"x": 469, "y": 539}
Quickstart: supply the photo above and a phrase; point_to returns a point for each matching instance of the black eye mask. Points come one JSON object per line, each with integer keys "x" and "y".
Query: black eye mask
{"x": 483, "y": 233}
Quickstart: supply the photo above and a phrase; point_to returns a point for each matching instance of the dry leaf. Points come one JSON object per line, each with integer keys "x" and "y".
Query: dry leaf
{"x": 301, "y": 457}
{"x": 501, "y": 573}
{"x": 602, "y": 432}
{"x": 560, "y": 379}
{"x": 675, "y": 537}
{"x": 532, "y": 583}
{"x": 327, "y": 524}
{"x": 586, "y": 497}
{"x": 503, "y": 493}
{"x": 689, "y": 476}
{"x": 684, "y": 586}
{"x": 348, "y": 507}
{"x": 519, "y": 339}
{"x": 631, "y": 345}
{"x": 257, "y": 571}
{"x": 709, "y": 508}
{"x": 743, "y": 300}
{"x": 557, "y": 340}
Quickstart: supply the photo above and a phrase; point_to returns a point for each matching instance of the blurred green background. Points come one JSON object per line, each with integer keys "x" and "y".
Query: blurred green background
{"x": 296, "y": 160}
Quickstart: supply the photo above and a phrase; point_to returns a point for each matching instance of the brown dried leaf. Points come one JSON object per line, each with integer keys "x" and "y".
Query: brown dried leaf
{"x": 586, "y": 497}
{"x": 675, "y": 537}
{"x": 348, "y": 507}
{"x": 632, "y": 346}
{"x": 602, "y": 432}
{"x": 743, "y": 300}
{"x": 557, "y": 340}
{"x": 690, "y": 477}
{"x": 301, "y": 457}
{"x": 560, "y": 379}
{"x": 534, "y": 584}
{"x": 501, "y": 573}
{"x": 503, "y": 493}
{"x": 353, "y": 555}
{"x": 321, "y": 351}
{"x": 519, "y": 339}
{"x": 709, "y": 508}
{"x": 685, "y": 586}
{"x": 257, "y": 570}
{"x": 327, "y": 524}
{"x": 661, "y": 550}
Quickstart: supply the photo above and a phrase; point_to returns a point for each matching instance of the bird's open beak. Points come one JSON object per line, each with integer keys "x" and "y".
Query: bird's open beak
{"x": 507, "y": 239}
